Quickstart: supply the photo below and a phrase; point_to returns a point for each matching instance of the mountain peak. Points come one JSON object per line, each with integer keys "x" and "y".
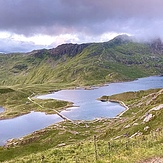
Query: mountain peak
{"x": 157, "y": 46}
{"x": 123, "y": 37}
{"x": 120, "y": 39}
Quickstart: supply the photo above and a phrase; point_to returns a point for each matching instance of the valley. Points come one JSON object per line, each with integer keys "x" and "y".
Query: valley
{"x": 71, "y": 67}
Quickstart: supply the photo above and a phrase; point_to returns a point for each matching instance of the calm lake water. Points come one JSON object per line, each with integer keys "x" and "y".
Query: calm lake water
{"x": 1, "y": 109}
{"x": 88, "y": 107}
{"x": 23, "y": 125}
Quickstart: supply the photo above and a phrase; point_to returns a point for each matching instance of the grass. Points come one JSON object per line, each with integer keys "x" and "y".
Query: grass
{"x": 97, "y": 63}
{"x": 16, "y": 103}
{"x": 124, "y": 150}
{"x": 39, "y": 72}
{"x": 140, "y": 103}
{"x": 67, "y": 142}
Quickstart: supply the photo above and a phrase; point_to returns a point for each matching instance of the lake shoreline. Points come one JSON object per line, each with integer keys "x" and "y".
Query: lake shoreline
{"x": 3, "y": 117}
{"x": 122, "y": 104}
{"x": 117, "y": 116}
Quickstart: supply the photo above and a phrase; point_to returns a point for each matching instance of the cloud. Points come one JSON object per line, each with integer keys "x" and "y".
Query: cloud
{"x": 10, "y": 45}
{"x": 89, "y": 19}
{"x": 71, "y": 16}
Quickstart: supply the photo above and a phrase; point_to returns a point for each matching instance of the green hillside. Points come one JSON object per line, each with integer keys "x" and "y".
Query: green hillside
{"x": 86, "y": 64}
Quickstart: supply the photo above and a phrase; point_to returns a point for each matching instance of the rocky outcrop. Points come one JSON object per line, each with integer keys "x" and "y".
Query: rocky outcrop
{"x": 159, "y": 107}
{"x": 149, "y": 115}
{"x": 148, "y": 118}
{"x": 121, "y": 39}
{"x": 68, "y": 49}
{"x": 157, "y": 46}
{"x": 64, "y": 49}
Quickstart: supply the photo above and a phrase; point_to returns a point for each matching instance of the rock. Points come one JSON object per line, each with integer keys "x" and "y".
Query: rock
{"x": 153, "y": 160}
{"x": 127, "y": 126}
{"x": 74, "y": 132}
{"x": 158, "y": 129}
{"x": 11, "y": 140}
{"x": 21, "y": 139}
{"x": 146, "y": 128}
{"x": 15, "y": 143}
{"x": 157, "y": 46}
{"x": 118, "y": 137}
{"x": 135, "y": 124}
{"x": 148, "y": 118}
{"x": 136, "y": 134}
{"x": 157, "y": 107}
{"x": 86, "y": 126}
{"x": 62, "y": 144}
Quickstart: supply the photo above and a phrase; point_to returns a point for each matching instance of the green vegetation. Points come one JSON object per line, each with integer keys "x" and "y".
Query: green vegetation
{"x": 135, "y": 135}
{"x": 125, "y": 139}
{"x": 81, "y": 65}
{"x": 15, "y": 101}
{"x": 140, "y": 106}
{"x": 115, "y": 151}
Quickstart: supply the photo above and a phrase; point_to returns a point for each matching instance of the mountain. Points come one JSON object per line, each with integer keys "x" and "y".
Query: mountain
{"x": 157, "y": 46}
{"x": 84, "y": 64}
{"x": 135, "y": 136}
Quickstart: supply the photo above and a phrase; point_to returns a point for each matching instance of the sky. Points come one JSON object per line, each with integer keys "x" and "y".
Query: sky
{"x": 26, "y": 25}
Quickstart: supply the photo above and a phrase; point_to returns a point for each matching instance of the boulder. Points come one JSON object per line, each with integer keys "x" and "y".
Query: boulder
{"x": 148, "y": 118}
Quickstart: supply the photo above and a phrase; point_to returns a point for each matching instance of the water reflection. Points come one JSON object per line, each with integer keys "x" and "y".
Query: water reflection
{"x": 23, "y": 125}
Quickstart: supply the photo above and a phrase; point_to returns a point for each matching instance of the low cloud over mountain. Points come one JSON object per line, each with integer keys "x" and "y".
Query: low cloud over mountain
{"x": 91, "y": 19}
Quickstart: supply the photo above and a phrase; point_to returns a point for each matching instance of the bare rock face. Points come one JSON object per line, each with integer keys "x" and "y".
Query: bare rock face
{"x": 157, "y": 46}
{"x": 127, "y": 126}
{"x": 61, "y": 50}
{"x": 146, "y": 128}
{"x": 136, "y": 134}
{"x": 69, "y": 49}
{"x": 159, "y": 107}
{"x": 148, "y": 118}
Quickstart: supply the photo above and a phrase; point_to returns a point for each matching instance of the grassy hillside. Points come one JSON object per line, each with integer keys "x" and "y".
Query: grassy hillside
{"x": 86, "y": 64}
{"x": 129, "y": 138}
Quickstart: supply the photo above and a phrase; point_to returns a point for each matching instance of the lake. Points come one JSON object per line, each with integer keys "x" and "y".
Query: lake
{"x": 24, "y": 125}
{"x": 1, "y": 109}
{"x": 86, "y": 107}
{"x": 90, "y": 108}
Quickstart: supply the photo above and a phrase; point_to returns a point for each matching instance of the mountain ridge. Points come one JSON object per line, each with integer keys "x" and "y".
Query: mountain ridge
{"x": 84, "y": 64}
{"x": 131, "y": 136}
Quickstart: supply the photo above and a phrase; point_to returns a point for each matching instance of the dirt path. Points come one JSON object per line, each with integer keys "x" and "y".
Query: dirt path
{"x": 62, "y": 116}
